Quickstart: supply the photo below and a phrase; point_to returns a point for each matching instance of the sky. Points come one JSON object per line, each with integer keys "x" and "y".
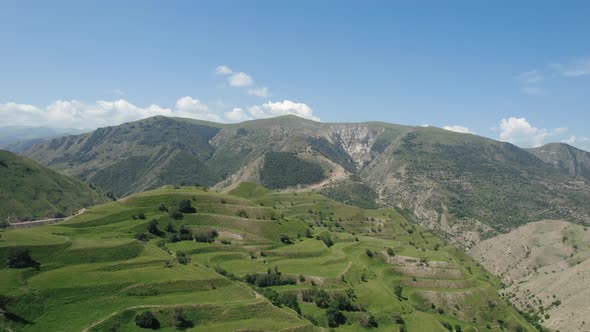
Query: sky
{"x": 517, "y": 71}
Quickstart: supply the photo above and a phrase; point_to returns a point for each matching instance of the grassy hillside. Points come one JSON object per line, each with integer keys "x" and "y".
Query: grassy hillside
{"x": 30, "y": 190}
{"x": 449, "y": 181}
{"x": 257, "y": 260}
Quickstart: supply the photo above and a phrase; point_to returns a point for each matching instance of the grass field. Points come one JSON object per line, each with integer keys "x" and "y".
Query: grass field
{"x": 94, "y": 274}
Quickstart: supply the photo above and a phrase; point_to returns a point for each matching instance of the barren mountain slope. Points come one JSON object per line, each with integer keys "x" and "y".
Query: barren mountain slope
{"x": 545, "y": 264}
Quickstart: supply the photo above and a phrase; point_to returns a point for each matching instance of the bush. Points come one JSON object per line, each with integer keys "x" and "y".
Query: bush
{"x": 334, "y": 317}
{"x": 185, "y": 206}
{"x": 182, "y": 258}
{"x": 163, "y": 208}
{"x": 141, "y": 215}
{"x": 205, "y": 235}
{"x": 170, "y": 228}
{"x": 20, "y": 258}
{"x": 153, "y": 228}
{"x": 290, "y": 300}
{"x": 147, "y": 320}
{"x": 368, "y": 321}
{"x": 180, "y": 321}
{"x": 286, "y": 239}
{"x": 176, "y": 215}
{"x": 325, "y": 237}
{"x": 4, "y": 224}
{"x": 390, "y": 252}
{"x": 397, "y": 290}
{"x": 369, "y": 253}
{"x": 242, "y": 213}
{"x": 141, "y": 236}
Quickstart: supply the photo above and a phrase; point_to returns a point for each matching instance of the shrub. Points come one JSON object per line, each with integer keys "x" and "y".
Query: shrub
{"x": 170, "y": 228}
{"x": 147, "y": 320}
{"x": 185, "y": 206}
{"x": 205, "y": 235}
{"x": 141, "y": 236}
{"x": 369, "y": 253}
{"x": 163, "y": 208}
{"x": 4, "y": 224}
{"x": 182, "y": 258}
{"x": 176, "y": 215}
{"x": 308, "y": 233}
{"x": 20, "y": 258}
{"x": 153, "y": 228}
{"x": 397, "y": 290}
{"x": 242, "y": 213}
{"x": 390, "y": 252}
{"x": 141, "y": 215}
{"x": 290, "y": 300}
{"x": 325, "y": 237}
{"x": 180, "y": 321}
{"x": 368, "y": 321}
{"x": 286, "y": 239}
{"x": 334, "y": 317}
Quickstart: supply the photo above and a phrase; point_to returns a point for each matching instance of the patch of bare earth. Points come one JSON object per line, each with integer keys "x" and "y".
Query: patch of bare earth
{"x": 545, "y": 263}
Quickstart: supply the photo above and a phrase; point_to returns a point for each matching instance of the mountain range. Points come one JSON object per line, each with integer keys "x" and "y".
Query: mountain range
{"x": 466, "y": 186}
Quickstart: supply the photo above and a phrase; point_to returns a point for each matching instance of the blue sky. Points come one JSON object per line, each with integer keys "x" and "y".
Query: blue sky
{"x": 516, "y": 72}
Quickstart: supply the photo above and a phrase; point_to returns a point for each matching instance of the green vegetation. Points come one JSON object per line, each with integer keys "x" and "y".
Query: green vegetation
{"x": 31, "y": 191}
{"x": 95, "y": 274}
{"x": 283, "y": 169}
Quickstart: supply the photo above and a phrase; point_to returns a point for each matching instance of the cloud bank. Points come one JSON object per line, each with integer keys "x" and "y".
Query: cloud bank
{"x": 78, "y": 114}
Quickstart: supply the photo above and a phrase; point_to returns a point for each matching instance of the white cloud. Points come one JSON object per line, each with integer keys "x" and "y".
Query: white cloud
{"x": 285, "y": 107}
{"x": 530, "y": 77}
{"x": 237, "y": 114}
{"x": 459, "y": 129}
{"x": 573, "y": 69}
{"x": 520, "y": 132}
{"x": 118, "y": 92}
{"x": 259, "y": 91}
{"x": 77, "y": 114}
{"x": 579, "y": 142}
{"x": 189, "y": 104}
{"x": 223, "y": 70}
{"x": 241, "y": 80}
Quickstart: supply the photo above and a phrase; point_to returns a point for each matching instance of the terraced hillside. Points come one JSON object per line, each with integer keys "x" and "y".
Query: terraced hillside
{"x": 253, "y": 259}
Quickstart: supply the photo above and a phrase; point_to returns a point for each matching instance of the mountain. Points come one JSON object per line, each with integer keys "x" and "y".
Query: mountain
{"x": 248, "y": 260}
{"x": 464, "y": 185}
{"x": 20, "y": 138}
{"x": 30, "y": 190}
{"x": 565, "y": 158}
{"x": 545, "y": 266}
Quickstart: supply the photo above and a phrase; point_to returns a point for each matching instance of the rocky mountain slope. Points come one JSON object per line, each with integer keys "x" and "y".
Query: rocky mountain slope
{"x": 546, "y": 267}
{"x": 565, "y": 158}
{"x": 446, "y": 180}
{"x": 30, "y": 190}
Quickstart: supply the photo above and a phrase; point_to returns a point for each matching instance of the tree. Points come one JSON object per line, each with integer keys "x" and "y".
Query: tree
{"x": 176, "y": 215}
{"x": 368, "y": 321}
{"x": 170, "y": 228}
{"x": 163, "y": 208}
{"x": 4, "y": 224}
{"x": 290, "y": 300}
{"x": 397, "y": 290}
{"x": 147, "y": 320}
{"x": 182, "y": 258}
{"x": 153, "y": 228}
{"x": 185, "y": 206}
{"x": 20, "y": 258}
{"x": 286, "y": 239}
{"x": 180, "y": 321}
{"x": 334, "y": 316}
{"x": 141, "y": 236}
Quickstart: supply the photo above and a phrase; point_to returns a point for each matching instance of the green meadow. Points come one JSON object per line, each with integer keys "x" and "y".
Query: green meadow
{"x": 249, "y": 260}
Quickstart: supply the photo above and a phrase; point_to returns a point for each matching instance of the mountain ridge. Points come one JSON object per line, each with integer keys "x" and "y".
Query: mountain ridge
{"x": 447, "y": 180}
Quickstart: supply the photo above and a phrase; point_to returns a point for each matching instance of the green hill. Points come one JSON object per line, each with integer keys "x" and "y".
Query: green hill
{"x": 467, "y": 186}
{"x": 30, "y": 190}
{"x": 259, "y": 261}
